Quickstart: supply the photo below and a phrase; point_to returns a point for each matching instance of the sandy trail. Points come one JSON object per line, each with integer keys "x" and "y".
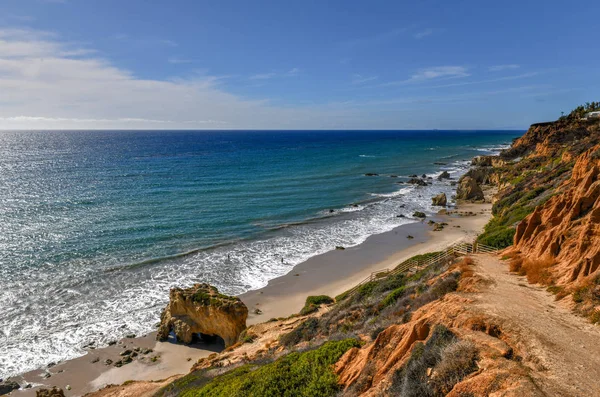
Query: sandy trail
{"x": 565, "y": 347}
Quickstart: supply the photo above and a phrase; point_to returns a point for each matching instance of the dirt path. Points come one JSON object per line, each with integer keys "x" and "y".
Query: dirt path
{"x": 564, "y": 348}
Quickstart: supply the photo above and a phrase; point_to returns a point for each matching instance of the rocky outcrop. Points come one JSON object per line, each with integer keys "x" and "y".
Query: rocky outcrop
{"x": 488, "y": 161}
{"x": 8, "y": 386}
{"x": 54, "y": 392}
{"x": 567, "y": 227}
{"x": 468, "y": 189}
{"x": 417, "y": 181}
{"x": 202, "y": 310}
{"x": 444, "y": 175}
{"x": 439, "y": 200}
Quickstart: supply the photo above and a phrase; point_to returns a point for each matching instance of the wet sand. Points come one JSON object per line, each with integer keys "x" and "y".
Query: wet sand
{"x": 331, "y": 274}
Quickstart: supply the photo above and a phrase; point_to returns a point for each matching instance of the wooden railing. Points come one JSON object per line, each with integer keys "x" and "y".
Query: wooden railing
{"x": 446, "y": 256}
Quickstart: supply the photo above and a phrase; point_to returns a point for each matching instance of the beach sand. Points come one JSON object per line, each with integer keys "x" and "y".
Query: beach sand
{"x": 330, "y": 274}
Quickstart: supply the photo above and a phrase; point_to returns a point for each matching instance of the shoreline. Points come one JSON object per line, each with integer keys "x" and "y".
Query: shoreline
{"x": 330, "y": 274}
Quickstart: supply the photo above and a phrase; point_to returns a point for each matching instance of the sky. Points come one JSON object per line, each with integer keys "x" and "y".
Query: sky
{"x": 192, "y": 64}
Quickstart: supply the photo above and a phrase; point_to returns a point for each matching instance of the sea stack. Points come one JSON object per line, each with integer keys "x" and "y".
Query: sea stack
{"x": 201, "y": 309}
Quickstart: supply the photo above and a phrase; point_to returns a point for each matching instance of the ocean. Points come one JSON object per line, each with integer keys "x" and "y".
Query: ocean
{"x": 96, "y": 226}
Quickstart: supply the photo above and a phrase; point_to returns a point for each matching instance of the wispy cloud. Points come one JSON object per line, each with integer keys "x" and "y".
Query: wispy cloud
{"x": 176, "y": 60}
{"x": 360, "y": 79}
{"x": 432, "y": 73}
{"x": 423, "y": 33}
{"x": 505, "y": 78}
{"x": 270, "y": 75}
{"x": 500, "y": 68}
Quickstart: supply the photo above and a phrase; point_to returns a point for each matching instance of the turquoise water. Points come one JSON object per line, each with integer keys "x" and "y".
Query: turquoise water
{"x": 95, "y": 227}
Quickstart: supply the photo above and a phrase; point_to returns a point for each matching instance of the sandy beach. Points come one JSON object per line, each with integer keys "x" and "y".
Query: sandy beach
{"x": 330, "y": 274}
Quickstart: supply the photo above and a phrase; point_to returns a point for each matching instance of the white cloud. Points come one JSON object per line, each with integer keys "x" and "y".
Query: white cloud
{"x": 360, "y": 79}
{"x": 423, "y": 33}
{"x": 499, "y": 68}
{"x": 432, "y": 73}
{"x": 439, "y": 72}
{"x": 270, "y": 75}
{"x": 46, "y": 83}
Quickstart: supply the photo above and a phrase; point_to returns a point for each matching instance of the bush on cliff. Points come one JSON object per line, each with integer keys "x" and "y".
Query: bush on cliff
{"x": 297, "y": 374}
{"x": 450, "y": 360}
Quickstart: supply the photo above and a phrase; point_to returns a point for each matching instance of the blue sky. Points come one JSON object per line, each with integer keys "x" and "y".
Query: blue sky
{"x": 301, "y": 65}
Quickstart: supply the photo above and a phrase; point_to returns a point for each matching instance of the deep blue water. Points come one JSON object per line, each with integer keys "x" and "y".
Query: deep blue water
{"x": 96, "y": 226}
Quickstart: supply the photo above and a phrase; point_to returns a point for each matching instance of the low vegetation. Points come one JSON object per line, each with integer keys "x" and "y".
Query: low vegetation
{"x": 313, "y": 302}
{"x": 308, "y": 373}
{"x": 436, "y": 366}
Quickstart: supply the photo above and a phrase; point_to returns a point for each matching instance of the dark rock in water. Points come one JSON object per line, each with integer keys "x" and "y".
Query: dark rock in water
{"x": 423, "y": 176}
{"x": 371, "y": 174}
{"x": 444, "y": 175}
{"x": 452, "y": 183}
{"x": 413, "y": 176}
{"x": 46, "y": 375}
{"x": 130, "y": 336}
{"x": 439, "y": 163}
{"x": 393, "y": 176}
{"x": 339, "y": 247}
{"x": 431, "y": 222}
{"x": 8, "y": 386}
{"x": 28, "y": 386}
{"x": 419, "y": 214}
{"x": 402, "y": 205}
{"x": 401, "y": 216}
{"x": 50, "y": 365}
{"x": 112, "y": 342}
{"x": 440, "y": 200}
{"x": 400, "y": 182}
{"x": 355, "y": 205}
{"x": 54, "y": 392}
{"x": 330, "y": 211}
{"x": 417, "y": 181}
{"x": 409, "y": 237}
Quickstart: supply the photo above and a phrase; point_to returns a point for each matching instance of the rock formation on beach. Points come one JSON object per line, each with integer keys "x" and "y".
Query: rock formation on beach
{"x": 468, "y": 189}
{"x": 201, "y": 309}
{"x": 439, "y": 200}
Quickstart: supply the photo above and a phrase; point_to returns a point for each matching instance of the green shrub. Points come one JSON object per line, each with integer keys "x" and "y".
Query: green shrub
{"x": 500, "y": 237}
{"x": 318, "y": 300}
{"x": 296, "y": 374}
{"x": 393, "y": 296}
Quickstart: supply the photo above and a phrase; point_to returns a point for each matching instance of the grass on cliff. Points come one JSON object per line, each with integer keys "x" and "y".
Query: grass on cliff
{"x": 376, "y": 305}
{"x": 309, "y": 373}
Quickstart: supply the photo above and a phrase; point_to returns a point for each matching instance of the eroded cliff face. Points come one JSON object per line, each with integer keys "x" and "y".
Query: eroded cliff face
{"x": 370, "y": 370}
{"x": 566, "y": 228}
{"x": 201, "y": 309}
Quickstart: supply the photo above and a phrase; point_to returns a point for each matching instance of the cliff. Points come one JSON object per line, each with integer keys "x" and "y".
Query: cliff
{"x": 465, "y": 328}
